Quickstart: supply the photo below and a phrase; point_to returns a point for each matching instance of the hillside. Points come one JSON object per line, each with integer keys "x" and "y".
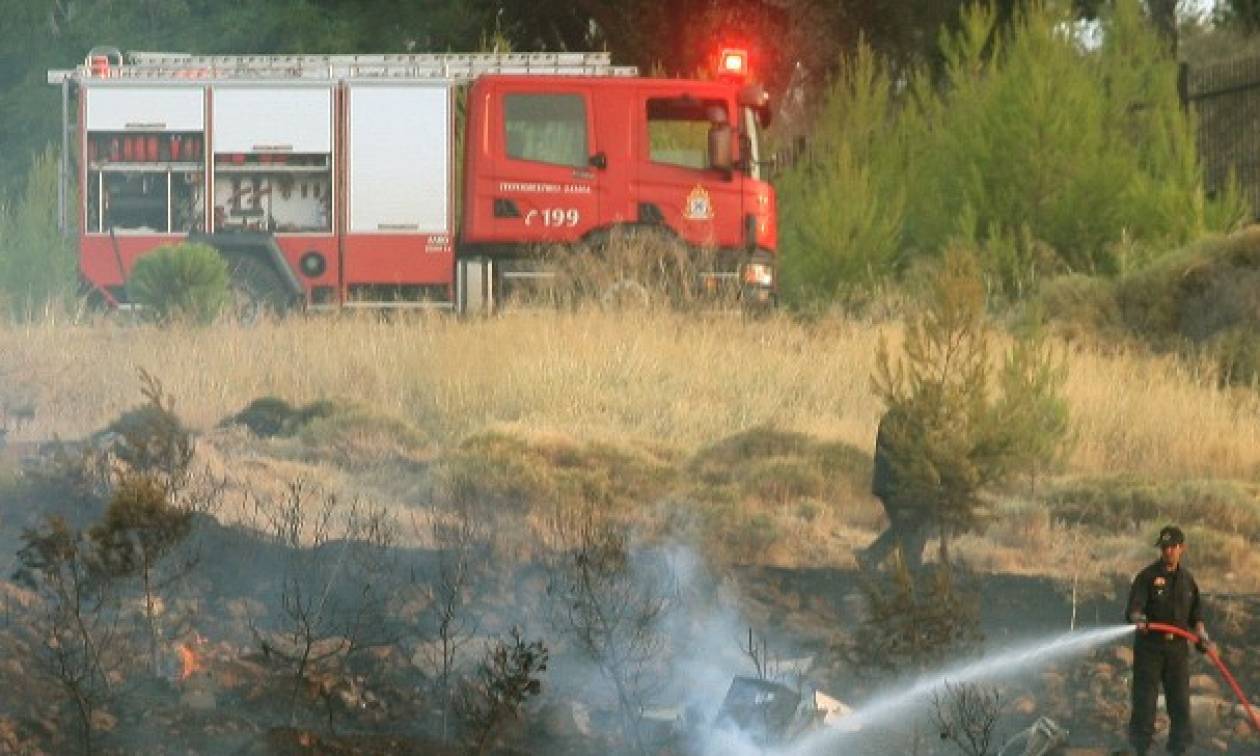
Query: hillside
{"x": 736, "y": 452}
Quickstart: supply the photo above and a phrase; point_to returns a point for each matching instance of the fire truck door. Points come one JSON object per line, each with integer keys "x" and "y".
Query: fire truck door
{"x": 547, "y": 163}
{"x": 677, "y": 186}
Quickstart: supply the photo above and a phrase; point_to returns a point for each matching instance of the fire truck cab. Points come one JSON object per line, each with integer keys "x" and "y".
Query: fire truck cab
{"x": 333, "y": 180}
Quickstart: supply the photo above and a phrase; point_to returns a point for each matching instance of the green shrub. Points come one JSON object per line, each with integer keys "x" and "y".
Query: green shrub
{"x": 1237, "y": 357}
{"x": 1127, "y": 505}
{"x": 810, "y": 510}
{"x": 740, "y": 536}
{"x": 726, "y": 458}
{"x": 1077, "y": 305}
{"x": 1195, "y": 293}
{"x": 266, "y": 416}
{"x": 954, "y": 429}
{"x": 180, "y": 282}
{"x": 270, "y": 416}
{"x": 777, "y": 466}
{"x": 502, "y": 471}
{"x": 1211, "y": 549}
{"x": 780, "y": 479}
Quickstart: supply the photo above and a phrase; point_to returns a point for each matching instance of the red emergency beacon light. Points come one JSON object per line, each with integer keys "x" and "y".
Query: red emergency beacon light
{"x": 733, "y": 63}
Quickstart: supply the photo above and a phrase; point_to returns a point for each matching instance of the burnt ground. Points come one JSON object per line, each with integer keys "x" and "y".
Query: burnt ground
{"x": 244, "y": 697}
{"x": 819, "y": 610}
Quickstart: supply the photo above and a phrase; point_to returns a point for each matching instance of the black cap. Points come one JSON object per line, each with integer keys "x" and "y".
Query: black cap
{"x": 1171, "y": 535}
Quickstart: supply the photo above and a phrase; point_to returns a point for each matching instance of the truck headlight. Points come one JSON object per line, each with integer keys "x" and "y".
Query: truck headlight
{"x": 758, "y": 274}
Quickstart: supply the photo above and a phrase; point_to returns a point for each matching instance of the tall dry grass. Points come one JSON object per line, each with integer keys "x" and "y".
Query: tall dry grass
{"x": 681, "y": 379}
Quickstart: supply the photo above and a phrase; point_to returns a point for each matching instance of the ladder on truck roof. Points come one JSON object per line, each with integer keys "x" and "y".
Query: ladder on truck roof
{"x": 447, "y": 66}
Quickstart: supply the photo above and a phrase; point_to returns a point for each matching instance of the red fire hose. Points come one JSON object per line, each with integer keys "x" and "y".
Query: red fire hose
{"x": 1160, "y": 627}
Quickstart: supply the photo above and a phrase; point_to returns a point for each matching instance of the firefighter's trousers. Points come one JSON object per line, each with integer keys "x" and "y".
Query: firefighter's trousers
{"x": 1160, "y": 659}
{"x": 907, "y": 529}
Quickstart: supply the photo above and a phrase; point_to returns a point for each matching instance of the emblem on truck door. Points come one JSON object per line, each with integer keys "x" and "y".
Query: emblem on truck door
{"x": 698, "y": 206}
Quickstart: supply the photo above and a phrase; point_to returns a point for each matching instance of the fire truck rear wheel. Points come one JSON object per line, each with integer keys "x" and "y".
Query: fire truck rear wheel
{"x": 257, "y": 291}
{"x": 625, "y": 294}
{"x": 642, "y": 267}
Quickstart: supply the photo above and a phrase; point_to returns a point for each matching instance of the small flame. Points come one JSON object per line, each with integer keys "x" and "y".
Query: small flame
{"x": 190, "y": 662}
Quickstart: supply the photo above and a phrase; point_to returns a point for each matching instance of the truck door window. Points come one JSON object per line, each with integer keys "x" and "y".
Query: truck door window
{"x": 678, "y": 130}
{"x": 546, "y": 128}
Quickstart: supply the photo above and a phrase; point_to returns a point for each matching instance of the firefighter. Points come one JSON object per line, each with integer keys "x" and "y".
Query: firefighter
{"x": 1164, "y": 592}
{"x": 908, "y": 521}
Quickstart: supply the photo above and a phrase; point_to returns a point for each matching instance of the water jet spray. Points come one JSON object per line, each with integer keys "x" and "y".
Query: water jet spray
{"x": 890, "y": 706}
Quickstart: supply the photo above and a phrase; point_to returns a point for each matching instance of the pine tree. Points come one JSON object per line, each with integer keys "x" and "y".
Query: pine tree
{"x": 961, "y": 435}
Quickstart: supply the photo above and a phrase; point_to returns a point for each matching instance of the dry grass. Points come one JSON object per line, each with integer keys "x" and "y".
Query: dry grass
{"x": 670, "y": 378}
{"x": 757, "y": 431}
{"x": 685, "y": 380}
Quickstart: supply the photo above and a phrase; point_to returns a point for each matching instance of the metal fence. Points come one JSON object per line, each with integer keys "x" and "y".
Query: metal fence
{"x": 1226, "y": 97}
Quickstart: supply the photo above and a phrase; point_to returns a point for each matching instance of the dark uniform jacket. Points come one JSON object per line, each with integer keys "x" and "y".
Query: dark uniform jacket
{"x": 1163, "y": 596}
{"x": 884, "y": 483}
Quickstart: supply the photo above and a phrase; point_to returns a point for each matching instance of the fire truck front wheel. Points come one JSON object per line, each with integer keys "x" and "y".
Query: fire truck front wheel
{"x": 257, "y": 291}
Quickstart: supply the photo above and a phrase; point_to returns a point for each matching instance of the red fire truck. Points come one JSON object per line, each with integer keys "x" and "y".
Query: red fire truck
{"x": 406, "y": 180}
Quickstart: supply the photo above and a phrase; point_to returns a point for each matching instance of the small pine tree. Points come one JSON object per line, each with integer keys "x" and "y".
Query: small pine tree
{"x": 37, "y": 264}
{"x": 1031, "y": 416}
{"x": 959, "y": 435}
{"x": 180, "y": 282}
{"x": 843, "y": 205}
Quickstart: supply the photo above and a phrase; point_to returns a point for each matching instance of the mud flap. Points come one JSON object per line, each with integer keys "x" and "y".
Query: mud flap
{"x": 474, "y": 285}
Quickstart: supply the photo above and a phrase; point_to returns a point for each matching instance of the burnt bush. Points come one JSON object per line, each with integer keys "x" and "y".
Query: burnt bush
{"x": 914, "y": 622}
{"x": 151, "y": 439}
{"x": 271, "y": 416}
{"x": 508, "y": 676}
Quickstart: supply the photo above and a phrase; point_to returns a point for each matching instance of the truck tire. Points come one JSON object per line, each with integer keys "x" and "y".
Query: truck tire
{"x": 256, "y": 291}
{"x": 626, "y": 294}
{"x": 644, "y": 267}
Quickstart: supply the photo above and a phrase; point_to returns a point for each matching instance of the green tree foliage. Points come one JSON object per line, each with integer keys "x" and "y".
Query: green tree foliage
{"x": 1041, "y": 151}
{"x": 38, "y": 35}
{"x": 180, "y": 282}
{"x": 37, "y": 265}
{"x": 1031, "y": 413}
{"x": 844, "y": 209}
{"x": 966, "y": 429}
{"x": 1244, "y": 14}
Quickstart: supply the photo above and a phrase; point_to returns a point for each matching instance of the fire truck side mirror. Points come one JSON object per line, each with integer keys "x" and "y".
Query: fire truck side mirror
{"x": 755, "y": 96}
{"x": 599, "y": 161}
{"x": 720, "y": 147}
